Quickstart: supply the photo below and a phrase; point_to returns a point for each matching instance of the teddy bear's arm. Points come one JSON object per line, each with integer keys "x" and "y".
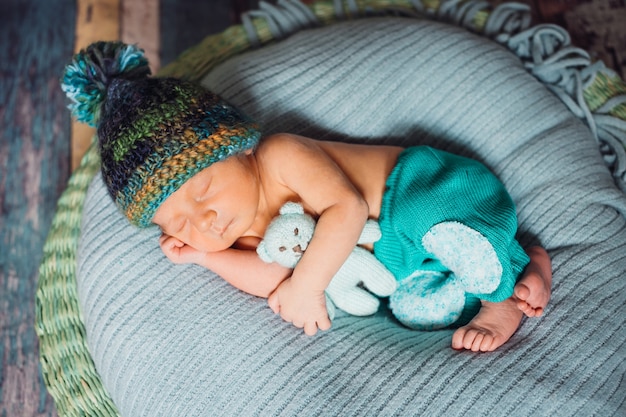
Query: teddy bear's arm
{"x": 371, "y": 232}
{"x": 361, "y": 267}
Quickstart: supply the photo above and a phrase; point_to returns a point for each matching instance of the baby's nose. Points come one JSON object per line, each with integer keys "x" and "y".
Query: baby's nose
{"x": 205, "y": 222}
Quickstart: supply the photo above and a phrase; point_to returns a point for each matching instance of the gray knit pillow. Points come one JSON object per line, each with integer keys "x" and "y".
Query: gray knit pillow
{"x": 173, "y": 340}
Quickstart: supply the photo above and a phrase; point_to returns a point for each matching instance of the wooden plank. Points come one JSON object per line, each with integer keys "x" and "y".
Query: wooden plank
{"x": 35, "y": 44}
{"x": 185, "y": 23}
{"x": 140, "y": 25}
{"x": 95, "y": 20}
{"x": 132, "y": 21}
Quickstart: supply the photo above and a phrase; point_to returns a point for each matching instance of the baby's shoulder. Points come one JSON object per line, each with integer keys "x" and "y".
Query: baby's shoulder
{"x": 295, "y": 149}
{"x": 282, "y": 141}
{"x": 287, "y": 147}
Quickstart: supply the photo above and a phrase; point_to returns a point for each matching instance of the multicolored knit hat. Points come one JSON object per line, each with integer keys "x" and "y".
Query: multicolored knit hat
{"x": 154, "y": 133}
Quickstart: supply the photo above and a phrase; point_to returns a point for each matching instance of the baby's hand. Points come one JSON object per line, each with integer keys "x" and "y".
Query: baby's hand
{"x": 302, "y": 307}
{"x": 179, "y": 252}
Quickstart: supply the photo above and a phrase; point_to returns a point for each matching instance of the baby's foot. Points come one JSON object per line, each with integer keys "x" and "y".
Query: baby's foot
{"x": 494, "y": 324}
{"x": 533, "y": 290}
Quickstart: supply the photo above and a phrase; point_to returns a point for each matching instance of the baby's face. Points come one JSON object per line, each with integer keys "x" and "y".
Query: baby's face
{"x": 214, "y": 208}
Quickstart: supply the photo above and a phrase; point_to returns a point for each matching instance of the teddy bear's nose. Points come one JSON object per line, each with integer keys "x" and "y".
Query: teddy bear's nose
{"x": 298, "y": 249}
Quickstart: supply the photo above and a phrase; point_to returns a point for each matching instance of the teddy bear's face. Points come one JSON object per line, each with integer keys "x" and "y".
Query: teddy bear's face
{"x": 286, "y": 239}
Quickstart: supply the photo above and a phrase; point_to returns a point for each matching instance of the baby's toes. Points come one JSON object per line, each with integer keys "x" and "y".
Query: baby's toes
{"x": 479, "y": 339}
{"x": 529, "y": 310}
{"x": 522, "y": 292}
{"x": 465, "y": 338}
{"x": 534, "y": 312}
{"x": 458, "y": 337}
{"x": 487, "y": 344}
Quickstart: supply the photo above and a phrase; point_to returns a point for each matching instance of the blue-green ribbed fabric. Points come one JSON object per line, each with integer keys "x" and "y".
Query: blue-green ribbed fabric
{"x": 428, "y": 187}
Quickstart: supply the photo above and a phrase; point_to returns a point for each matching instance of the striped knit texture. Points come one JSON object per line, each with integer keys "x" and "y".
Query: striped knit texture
{"x": 427, "y": 188}
{"x": 172, "y": 340}
{"x": 156, "y": 133}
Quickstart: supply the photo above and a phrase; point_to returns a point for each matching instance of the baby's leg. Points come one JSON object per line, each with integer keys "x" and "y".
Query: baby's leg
{"x": 533, "y": 290}
{"x": 494, "y": 324}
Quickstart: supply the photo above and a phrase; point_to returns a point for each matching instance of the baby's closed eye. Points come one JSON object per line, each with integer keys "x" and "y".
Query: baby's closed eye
{"x": 203, "y": 195}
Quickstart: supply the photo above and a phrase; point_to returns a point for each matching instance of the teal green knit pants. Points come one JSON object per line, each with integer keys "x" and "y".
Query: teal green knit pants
{"x": 429, "y": 191}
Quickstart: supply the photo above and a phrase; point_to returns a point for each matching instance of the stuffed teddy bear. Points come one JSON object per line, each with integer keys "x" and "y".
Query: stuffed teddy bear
{"x": 425, "y": 300}
{"x": 288, "y": 236}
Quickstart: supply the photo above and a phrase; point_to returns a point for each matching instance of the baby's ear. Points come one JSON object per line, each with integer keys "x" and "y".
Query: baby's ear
{"x": 261, "y": 250}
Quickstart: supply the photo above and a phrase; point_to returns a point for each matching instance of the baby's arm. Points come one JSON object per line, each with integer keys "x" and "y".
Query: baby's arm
{"x": 241, "y": 268}
{"x": 324, "y": 190}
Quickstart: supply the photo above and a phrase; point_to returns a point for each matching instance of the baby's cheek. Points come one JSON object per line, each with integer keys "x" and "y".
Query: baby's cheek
{"x": 247, "y": 243}
{"x": 207, "y": 244}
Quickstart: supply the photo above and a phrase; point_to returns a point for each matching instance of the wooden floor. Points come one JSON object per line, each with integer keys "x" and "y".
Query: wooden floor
{"x": 34, "y": 166}
{"x": 37, "y": 38}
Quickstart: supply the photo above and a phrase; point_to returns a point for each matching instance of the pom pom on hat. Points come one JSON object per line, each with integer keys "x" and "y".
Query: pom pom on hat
{"x": 88, "y": 77}
{"x": 153, "y": 133}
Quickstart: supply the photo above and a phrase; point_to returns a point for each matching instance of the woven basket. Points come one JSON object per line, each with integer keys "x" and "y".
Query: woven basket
{"x": 67, "y": 367}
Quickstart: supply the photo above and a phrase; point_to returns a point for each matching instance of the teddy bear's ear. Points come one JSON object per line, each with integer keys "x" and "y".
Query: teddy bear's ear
{"x": 261, "y": 250}
{"x": 291, "y": 208}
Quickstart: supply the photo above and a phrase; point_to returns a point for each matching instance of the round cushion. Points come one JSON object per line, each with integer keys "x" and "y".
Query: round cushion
{"x": 172, "y": 340}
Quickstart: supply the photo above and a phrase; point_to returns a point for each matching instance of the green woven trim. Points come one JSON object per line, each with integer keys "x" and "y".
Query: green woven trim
{"x": 67, "y": 367}
{"x": 603, "y": 88}
{"x": 198, "y": 60}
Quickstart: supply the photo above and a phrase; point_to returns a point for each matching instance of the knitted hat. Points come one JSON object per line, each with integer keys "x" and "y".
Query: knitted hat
{"x": 154, "y": 133}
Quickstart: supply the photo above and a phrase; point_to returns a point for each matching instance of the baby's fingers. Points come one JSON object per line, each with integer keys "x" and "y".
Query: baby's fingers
{"x": 163, "y": 238}
{"x": 324, "y": 324}
{"x": 310, "y": 328}
{"x": 170, "y": 242}
{"x": 273, "y": 302}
